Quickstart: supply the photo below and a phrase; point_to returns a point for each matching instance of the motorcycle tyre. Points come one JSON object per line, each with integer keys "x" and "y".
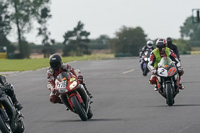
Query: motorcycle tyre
{"x": 169, "y": 95}
{"x": 90, "y": 113}
{"x": 79, "y": 109}
{"x": 4, "y": 128}
{"x": 20, "y": 127}
{"x": 146, "y": 70}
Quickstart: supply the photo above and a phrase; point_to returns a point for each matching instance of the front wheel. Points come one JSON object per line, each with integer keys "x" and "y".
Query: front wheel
{"x": 79, "y": 109}
{"x": 169, "y": 94}
{"x": 20, "y": 127}
{"x": 90, "y": 113}
{"x": 145, "y": 69}
{"x": 4, "y": 126}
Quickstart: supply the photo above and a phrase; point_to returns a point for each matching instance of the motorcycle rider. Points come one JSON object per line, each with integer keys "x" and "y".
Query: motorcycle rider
{"x": 155, "y": 57}
{"x": 173, "y": 47}
{"x": 10, "y": 92}
{"x": 148, "y": 47}
{"x": 57, "y": 67}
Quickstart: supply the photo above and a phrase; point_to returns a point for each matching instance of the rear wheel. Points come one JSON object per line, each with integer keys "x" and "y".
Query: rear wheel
{"x": 169, "y": 94}
{"x": 146, "y": 70}
{"x": 4, "y": 126}
{"x": 79, "y": 109}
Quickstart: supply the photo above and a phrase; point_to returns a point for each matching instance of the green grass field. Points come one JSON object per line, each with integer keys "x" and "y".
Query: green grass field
{"x": 33, "y": 64}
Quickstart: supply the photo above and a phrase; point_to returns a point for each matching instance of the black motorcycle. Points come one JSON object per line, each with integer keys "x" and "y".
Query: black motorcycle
{"x": 10, "y": 117}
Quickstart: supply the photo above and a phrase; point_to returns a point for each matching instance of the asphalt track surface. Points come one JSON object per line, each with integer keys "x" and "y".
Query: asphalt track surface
{"x": 124, "y": 101}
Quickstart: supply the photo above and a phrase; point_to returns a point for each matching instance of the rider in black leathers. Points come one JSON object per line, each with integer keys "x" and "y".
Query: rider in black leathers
{"x": 10, "y": 92}
{"x": 173, "y": 47}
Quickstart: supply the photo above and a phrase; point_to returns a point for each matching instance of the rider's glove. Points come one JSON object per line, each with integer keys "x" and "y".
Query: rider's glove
{"x": 154, "y": 71}
{"x": 180, "y": 70}
{"x": 80, "y": 78}
{"x": 56, "y": 92}
{"x": 8, "y": 86}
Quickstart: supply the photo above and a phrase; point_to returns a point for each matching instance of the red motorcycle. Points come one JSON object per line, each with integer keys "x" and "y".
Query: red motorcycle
{"x": 73, "y": 95}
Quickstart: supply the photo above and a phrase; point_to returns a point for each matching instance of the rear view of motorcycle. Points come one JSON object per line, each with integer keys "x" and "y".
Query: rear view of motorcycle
{"x": 168, "y": 80}
{"x": 73, "y": 95}
{"x": 11, "y": 120}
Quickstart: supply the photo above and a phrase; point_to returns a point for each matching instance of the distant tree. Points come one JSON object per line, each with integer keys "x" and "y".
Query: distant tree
{"x": 76, "y": 41}
{"x": 102, "y": 42}
{"x": 23, "y": 12}
{"x": 183, "y": 45}
{"x": 5, "y": 26}
{"x": 191, "y": 31}
{"x": 44, "y": 33}
{"x": 128, "y": 40}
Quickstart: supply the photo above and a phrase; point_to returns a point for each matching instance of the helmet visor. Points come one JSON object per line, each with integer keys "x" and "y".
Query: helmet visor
{"x": 55, "y": 65}
{"x": 160, "y": 46}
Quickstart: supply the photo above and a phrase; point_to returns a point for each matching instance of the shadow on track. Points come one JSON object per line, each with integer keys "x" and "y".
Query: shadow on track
{"x": 92, "y": 120}
{"x": 178, "y": 105}
{"x": 182, "y": 105}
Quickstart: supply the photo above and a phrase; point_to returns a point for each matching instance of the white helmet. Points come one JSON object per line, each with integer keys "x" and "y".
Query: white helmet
{"x": 149, "y": 44}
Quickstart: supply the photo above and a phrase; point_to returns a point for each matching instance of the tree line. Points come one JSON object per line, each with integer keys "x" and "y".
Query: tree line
{"x": 76, "y": 42}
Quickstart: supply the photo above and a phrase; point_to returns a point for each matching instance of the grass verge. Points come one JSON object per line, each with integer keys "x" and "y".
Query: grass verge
{"x": 33, "y": 64}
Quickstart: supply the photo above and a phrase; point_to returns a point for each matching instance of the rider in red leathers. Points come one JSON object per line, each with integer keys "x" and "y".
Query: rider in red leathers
{"x": 57, "y": 67}
{"x": 155, "y": 57}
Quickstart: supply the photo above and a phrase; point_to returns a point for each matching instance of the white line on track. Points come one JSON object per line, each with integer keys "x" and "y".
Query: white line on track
{"x": 128, "y": 71}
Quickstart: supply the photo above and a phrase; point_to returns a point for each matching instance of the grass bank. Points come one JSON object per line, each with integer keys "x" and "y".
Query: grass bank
{"x": 33, "y": 64}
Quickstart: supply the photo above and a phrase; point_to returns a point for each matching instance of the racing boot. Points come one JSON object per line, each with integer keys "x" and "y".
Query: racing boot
{"x": 181, "y": 86}
{"x": 17, "y": 105}
{"x": 155, "y": 88}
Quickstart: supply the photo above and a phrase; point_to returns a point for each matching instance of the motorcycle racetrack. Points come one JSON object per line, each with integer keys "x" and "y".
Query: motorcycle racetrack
{"x": 124, "y": 101}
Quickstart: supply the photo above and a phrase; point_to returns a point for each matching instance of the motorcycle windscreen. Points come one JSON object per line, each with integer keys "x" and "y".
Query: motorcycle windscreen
{"x": 165, "y": 62}
{"x": 63, "y": 76}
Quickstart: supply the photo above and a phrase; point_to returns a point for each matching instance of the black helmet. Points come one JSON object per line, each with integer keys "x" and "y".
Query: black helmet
{"x": 161, "y": 43}
{"x": 55, "y": 61}
{"x": 169, "y": 40}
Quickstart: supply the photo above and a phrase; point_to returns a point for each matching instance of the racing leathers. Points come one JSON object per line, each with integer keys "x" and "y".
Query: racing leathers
{"x": 174, "y": 48}
{"x": 51, "y": 76}
{"x": 155, "y": 58}
{"x": 10, "y": 92}
{"x": 145, "y": 48}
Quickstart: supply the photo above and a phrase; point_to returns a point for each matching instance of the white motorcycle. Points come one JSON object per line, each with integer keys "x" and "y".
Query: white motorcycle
{"x": 144, "y": 62}
{"x": 168, "y": 80}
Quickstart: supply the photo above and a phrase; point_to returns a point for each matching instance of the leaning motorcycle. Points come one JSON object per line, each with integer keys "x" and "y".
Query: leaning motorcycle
{"x": 73, "y": 95}
{"x": 11, "y": 120}
{"x": 168, "y": 80}
{"x": 145, "y": 60}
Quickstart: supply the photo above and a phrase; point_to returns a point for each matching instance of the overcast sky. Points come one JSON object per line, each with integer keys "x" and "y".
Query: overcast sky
{"x": 158, "y": 18}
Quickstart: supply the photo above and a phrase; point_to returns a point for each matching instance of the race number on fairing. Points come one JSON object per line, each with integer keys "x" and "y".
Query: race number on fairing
{"x": 61, "y": 85}
{"x": 162, "y": 72}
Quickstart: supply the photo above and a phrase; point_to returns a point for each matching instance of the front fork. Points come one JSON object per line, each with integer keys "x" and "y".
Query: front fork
{"x": 82, "y": 97}
{"x": 161, "y": 84}
{"x": 3, "y": 113}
